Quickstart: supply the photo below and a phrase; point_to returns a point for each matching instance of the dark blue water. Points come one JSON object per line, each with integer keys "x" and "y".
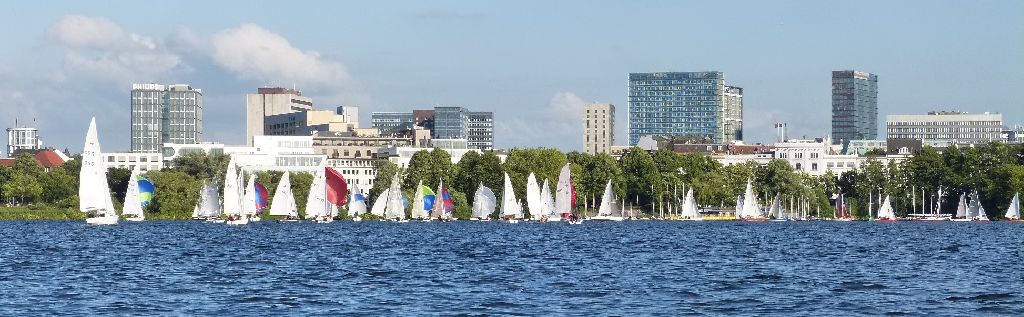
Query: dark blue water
{"x": 628, "y": 268}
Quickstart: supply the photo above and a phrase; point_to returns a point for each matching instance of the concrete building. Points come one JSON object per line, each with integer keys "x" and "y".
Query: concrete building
{"x": 815, "y": 157}
{"x": 22, "y": 139}
{"x": 959, "y": 128}
{"x": 854, "y": 106}
{"x": 351, "y": 146}
{"x": 165, "y": 114}
{"x": 683, "y": 104}
{"x": 477, "y": 128}
{"x": 359, "y": 171}
{"x": 278, "y": 153}
{"x": 310, "y": 122}
{"x": 598, "y": 128}
{"x": 269, "y": 102}
{"x": 144, "y": 160}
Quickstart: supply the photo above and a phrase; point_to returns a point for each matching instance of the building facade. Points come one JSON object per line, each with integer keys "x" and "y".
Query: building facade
{"x": 733, "y": 114}
{"x": 143, "y": 160}
{"x": 598, "y": 128}
{"x": 165, "y": 114}
{"x": 854, "y": 106}
{"x": 682, "y": 104}
{"x": 269, "y": 102}
{"x": 22, "y": 139}
{"x": 310, "y": 122}
{"x": 477, "y": 128}
{"x": 958, "y": 128}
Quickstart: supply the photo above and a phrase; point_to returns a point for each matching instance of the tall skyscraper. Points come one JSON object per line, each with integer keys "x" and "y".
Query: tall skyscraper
{"x": 268, "y": 102}
{"x": 481, "y": 130}
{"x": 854, "y": 106}
{"x": 684, "y": 104}
{"x": 165, "y": 114}
{"x": 598, "y": 128}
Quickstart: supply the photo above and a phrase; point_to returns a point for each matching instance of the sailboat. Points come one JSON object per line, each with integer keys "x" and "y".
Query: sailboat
{"x": 961, "y": 210}
{"x": 422, "y": 203}
{"x": 565, "y": 194}
{"x": 510, "y": 208}
{"x": 842, "y": 212}
{"x": 1013, "y": 211}
{"x": 775, "y": 212}
{"x": 483, "y": 203}
{"x": 690, "y": 212}
{"x": 533, "y": 201}
{"x": 444, "y": 206}
{"x": 209, "y": 207}
{"x": 380, "y": 203}
{"x": 317, "y": 208}
{"x": 976, "y": 212}
{"x": 750, "y": 211}
{"x": 885, "y": 212}
{"x": 93, "y": 192}
{"x": 394, "y": 209}
{"x": 247, "y": 203}
{"x": 547, "y": 204}
{"x": 232, "y": 195}
{"x": 284, "y": 201}
{"x": 132, "y": 210}
{"x": 356, "y": 204}
{"x": 609, "y": 209}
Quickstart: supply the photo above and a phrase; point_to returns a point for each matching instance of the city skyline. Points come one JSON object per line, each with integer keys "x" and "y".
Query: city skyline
{"x": 67, "y": 62}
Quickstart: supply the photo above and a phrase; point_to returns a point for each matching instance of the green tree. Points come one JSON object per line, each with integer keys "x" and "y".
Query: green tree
{"x": 300, "y": 188}
{"x": 202, "y": 166}
{"x": 23, "y": 188}
{"x": 117, "y": 180}
{"x": 177, "y": 193}
{"x": 59, "y": 189}
{"x": 642, "y": 177}
{"x": 385, "y": 172}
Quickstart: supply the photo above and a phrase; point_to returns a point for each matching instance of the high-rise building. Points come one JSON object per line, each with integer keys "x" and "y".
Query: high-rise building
{"x": 481, "y": 130}
{"x": 683, "y": 104}
{"x": 20, "y": 138}
{"x": 268, "y": 102}
{"x": 165, "y": 114}
{"x": 854, "y": 106}
{"x": 598, "y": 128}
{"x": 733, "y": 112}
{"x": 959, "y": 128}
{"x": 445, "y": 123}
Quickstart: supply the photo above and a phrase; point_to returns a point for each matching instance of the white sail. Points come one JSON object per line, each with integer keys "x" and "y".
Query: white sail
{"x": 249, "y": 198}
{"x": 961, "y": 207}
{"x": 1013, "y": 211}
{"x": 563, "y": 192}
{"x": 690, "y": 207}
{"x": 380, "y": 203}
{"x": 483, "y": 202}
{"x": 93, "y": 191}
{"x": 886, "y": 211}
{"x": 195, "y": 210}
{"x": 976, "y": 210}
{"x": 509, "y": 203}
{"x": 232, "y": 200}
{"x": 418, "y": 211}
{"x": 132, "y": 205}
{"x": 356, "y": 204}
{"x": 316, "y": 200}
{"x": 284, "y": 201}
{"x": 547, "y": 201}
{"x": 209, "y": 205}
{"x": 750, "y": 208}
{"x": 394, "y": 208}
{"x": 608, "y": 204}
{"x": 776, "y": 210}
{"x": 533, "y": 201}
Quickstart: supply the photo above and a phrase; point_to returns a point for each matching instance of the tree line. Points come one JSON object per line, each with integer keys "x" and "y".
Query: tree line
{"x": 646, "y": 181}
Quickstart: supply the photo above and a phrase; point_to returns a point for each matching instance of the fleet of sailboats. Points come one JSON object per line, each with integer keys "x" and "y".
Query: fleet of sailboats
{"x": 244, "y": 199}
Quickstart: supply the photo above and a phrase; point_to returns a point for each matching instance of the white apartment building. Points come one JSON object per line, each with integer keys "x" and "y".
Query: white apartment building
{"x": 598, "y": 128}
{"x": 814, "y": 157}
{"x": 958, "y": 128}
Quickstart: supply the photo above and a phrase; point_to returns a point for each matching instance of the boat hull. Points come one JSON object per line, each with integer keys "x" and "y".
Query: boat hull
{"x": 238, "y": 222}
{"x": 101, "y": 220}
{"x": 607, "y": 218}
{"x": 134, "y": 219}
{"x": 886, "y": 220}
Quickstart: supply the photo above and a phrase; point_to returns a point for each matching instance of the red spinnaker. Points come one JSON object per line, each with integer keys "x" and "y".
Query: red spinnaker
{"x": 337, "y": 187}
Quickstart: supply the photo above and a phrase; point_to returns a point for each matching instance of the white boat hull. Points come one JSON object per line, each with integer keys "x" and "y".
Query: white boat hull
{"x": 241, "y": 221}
{"x": 135, "y": 219}
{"x": 106, "y": 220}
{"x": 607, "y": 218}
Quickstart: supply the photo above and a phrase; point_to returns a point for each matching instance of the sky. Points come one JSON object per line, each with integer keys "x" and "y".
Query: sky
{"x": 533, "y": 63}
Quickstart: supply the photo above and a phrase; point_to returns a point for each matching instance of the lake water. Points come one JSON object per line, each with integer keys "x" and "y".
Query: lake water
{"x": 469, "y": 268}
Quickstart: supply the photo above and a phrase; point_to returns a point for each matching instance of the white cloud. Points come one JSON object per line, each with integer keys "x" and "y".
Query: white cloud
{"x": 97, "y": 48}
{"x": 253, "y": 52}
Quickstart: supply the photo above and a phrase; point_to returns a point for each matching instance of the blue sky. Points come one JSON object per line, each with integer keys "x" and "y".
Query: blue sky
{"x": 531, "y": 62}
